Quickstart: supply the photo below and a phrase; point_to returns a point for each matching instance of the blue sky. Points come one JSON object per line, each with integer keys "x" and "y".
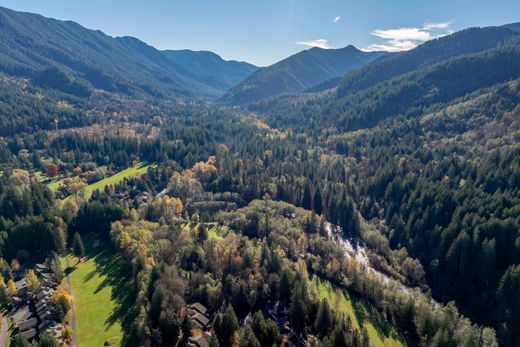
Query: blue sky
{"x": 265, "y": 31}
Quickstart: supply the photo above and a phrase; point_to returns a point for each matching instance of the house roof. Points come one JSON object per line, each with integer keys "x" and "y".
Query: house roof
{"x": 21, "y": 315}
{"x": 199, "y": 341}
{"x": 28, "y": 324}
{"x": 198, "y": 307}
{"x": 29, "y": 334}
{"x": 199, "y": 320}
{"x": 21, "y": 283}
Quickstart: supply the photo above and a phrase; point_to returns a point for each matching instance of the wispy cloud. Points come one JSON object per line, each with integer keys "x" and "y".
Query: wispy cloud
{"x": 443, "y": 25}
{"x": 403, "y": 39}
{"x": 336, "y": 19}
{"x": 321, "y": 43}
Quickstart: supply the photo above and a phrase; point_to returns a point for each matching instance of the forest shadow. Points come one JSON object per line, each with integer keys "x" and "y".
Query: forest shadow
{"x": 367, "y": 313}
{"x": 116, "y": 275}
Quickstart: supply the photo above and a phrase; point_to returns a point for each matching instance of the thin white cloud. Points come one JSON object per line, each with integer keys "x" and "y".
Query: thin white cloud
{"x": 336, "y": 19}
{"x": 403, "y": 34}
{"x": 321, "y": 43}
{"x": 431, "y": 26}
{"x": 403, "y": 39}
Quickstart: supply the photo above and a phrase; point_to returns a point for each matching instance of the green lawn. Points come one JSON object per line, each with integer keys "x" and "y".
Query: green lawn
{"x": 55, "y": 184}
{"x": 213, "y": 229}
{"x": 379, "y": 331}
{"x": 114, "y": 179}
{"x": 102, "y": 296}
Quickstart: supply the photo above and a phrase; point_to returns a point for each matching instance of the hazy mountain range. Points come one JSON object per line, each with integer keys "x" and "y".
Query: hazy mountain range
{"x": 87, "y": 59}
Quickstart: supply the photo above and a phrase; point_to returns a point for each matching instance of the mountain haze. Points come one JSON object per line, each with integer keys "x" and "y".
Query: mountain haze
{"x": 299, "y": 72}
{"x": 210, "y": 69}
{"x": 86, "y": 59}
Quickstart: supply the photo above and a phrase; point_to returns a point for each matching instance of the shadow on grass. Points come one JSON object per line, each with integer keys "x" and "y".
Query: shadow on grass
{"x": 367, "y": 313}
{"x": 118, "y": 276}
{"x": 70, "y": 269}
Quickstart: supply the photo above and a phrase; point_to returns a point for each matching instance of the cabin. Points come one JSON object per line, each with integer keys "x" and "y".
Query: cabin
{"x": 200, "y": 321}
{"x": 27, "y": 324}
{"x": 21, "y": 287}
{"x": 34, "y": 314}
{"x": 198, "y": 314}
{"x": 199, "y": 308}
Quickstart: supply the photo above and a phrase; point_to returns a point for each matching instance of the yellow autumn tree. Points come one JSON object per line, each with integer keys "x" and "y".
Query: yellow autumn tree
{"x": 204, "y": 171}
{"x": 11, "y": 286}
{"x": 124, "y": 240}
{"x": 32, "y": 281}
{"x": 60, "y": 294}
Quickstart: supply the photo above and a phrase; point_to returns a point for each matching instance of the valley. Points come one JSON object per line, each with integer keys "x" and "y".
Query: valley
{"x": 337, "y": 197}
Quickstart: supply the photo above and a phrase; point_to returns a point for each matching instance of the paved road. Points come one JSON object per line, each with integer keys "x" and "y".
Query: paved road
{"x": 72, "y": 315}
{"x": 3, "y": 332}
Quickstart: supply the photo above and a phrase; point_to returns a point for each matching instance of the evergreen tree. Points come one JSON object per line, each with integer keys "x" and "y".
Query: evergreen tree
{"x": 226, "y": 327}
{"x": 306, "y": 202}
{"x": 324, "y": 318}
{"x": 20, "y": 341}
{"x": 186, "y": 327}
{"x": 249, "y": 339}
{"x": 285, "y": 286}
{"x": 77, "y": 247}
{"x": 48, "y": 341}
{"x": 317, "y": 203}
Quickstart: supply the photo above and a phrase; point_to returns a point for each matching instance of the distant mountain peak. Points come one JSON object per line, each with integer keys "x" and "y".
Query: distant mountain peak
{"x": 299, "y": 72}
{"x": 122, "y": 64}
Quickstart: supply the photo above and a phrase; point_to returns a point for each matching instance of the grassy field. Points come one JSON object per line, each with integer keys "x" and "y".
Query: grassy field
{"x": 100, "y": 185}
{"x": 213, "y": 229}
{"x": 102, "y": 297}
{"x": 55, "y": 184}
{"x": 379, "y": 331}
{"x": 114, "y": 179}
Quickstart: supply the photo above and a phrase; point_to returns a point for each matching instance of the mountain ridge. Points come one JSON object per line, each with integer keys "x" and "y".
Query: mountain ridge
{"x": 36, "y": 43}
{"x": 298, "y": 72}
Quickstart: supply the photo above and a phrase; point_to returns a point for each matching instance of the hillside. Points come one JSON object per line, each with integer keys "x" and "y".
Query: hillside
{"x": 407, "y": 83}
{"x": 298, "y": 72}
{"x": 335, "y": 198}
{"x": 210, "y": 69}
{"x": 432, "y": 138}
{"x": 64, "y": 55}
{"x": 463, "y": 42}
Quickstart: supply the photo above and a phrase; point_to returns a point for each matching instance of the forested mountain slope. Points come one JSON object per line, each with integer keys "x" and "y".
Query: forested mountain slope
{"x": 299, "y": 72}
{"x": 435, "y": 81}
{"x": 416, "y": 160}
{"x": 66, "y": 56}
{"x": 210, "y": 69}
{"x": 463, "y": 42}
{"x": 434, "y": 157}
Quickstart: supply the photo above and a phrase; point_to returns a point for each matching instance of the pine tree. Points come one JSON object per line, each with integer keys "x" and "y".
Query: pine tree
{"x": 20, "y": 341}
{"x": 77, "y": 247}
{"x": 317, "y": 203}
{"x": 229, "y": 326}
{"x": 249, "y": 339}
{"x": 186, "y": 327}
{"x": 48, "y": 341}
{"x": 306, "y": 202}
{"x": 323, "y": 320}
{"x": 285, "y": 286}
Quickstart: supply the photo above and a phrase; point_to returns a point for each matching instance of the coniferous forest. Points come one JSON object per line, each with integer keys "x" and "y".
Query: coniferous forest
{"x": 379, "y": 207}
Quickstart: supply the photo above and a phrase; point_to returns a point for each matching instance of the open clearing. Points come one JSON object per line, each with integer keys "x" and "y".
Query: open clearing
{"x": 133, "y": 171}
{"x": 379, "y": 331}
{"x": 101, "y": 294}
